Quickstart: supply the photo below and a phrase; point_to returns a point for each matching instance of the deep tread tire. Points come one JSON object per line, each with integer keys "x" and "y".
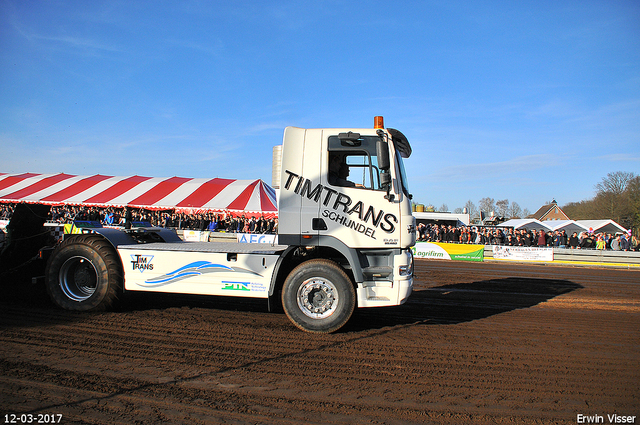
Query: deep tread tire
{"x": 84, "y": 273}
{"x": 318, "y": 296}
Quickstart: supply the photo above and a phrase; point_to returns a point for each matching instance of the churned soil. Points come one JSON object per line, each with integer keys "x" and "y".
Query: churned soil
{"x": 482, "y": 343}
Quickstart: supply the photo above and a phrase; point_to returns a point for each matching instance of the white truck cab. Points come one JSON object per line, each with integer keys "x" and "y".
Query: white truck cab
{"x": 344, "y": 192}
{"x": 344, "y": 240}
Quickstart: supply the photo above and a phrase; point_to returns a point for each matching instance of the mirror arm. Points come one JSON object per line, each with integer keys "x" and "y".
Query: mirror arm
{"x": 389, "y": 196}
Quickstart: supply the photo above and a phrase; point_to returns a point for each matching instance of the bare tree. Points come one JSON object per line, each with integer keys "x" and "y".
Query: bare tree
{"x": 633, "y": 190}
{"x": 443, "y": 208}
{"x": 515, "y": 211}
{"x": 503, "y": 207}
{"x": 577, "y": 210}
{"x": 471, "y": 209}
{"x": 487, "y": 205}
{"x": 617, "y": 198}
{"x": 612, "y": 199}
{"x": 615, "y": 183}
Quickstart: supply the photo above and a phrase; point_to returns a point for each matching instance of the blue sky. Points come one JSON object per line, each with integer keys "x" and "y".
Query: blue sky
{"x": 526, "y": 101}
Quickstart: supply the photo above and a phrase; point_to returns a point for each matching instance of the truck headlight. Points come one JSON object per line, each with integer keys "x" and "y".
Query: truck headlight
{"x": 405, "y": 270}
{"x": 408, "y": 269}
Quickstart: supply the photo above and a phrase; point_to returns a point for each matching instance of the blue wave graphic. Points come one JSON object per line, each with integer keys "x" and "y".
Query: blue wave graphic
{"x": 196, "y": 268}
{"x": 198, "y": 265}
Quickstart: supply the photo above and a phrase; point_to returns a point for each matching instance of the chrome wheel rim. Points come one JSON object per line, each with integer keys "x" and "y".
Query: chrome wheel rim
{"x": 78, "y": 278}
{"x": 317, "y": 298}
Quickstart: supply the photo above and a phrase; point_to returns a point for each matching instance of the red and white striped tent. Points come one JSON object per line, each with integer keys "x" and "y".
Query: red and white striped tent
{"x": 248, "y": 197}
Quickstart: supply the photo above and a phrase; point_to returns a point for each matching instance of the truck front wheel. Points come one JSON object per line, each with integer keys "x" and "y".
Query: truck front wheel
{"x": 84, "y": 274}
{"x": 318, "y": 296}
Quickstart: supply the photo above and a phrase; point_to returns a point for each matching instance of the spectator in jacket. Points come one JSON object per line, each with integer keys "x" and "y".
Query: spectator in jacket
{"x": 615, "y": 243}
{"x": 542, "y": 238}
{"x": 588, "y": 242}
{"x": 624, "y": 243}
{"x": 574, "y": 241}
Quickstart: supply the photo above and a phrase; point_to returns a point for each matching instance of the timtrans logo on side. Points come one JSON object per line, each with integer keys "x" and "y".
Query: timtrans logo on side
{"x": 141, "y": 262}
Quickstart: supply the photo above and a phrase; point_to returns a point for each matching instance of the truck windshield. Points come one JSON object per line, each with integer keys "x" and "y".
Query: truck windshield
{"x": 403, "y": 174}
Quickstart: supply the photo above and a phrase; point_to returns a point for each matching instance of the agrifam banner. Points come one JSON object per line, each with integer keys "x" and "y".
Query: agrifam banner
{"x": 448, "y": 251}
{"x": 522, "y": 253}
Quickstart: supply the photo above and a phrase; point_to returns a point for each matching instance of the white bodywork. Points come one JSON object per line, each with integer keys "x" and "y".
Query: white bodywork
{"x": 357, "y": 218}
{"x": 369, "y": 229}
{"x": 386, "y": 293}
{"x": 205, "y": 268}
{"x": 305, "y": 169}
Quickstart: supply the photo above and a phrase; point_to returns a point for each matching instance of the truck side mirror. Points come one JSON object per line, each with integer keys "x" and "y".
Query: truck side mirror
{"x": 385, "y": 180}
{"x": 384, "y": 164}
{"x": 382, "y": 151}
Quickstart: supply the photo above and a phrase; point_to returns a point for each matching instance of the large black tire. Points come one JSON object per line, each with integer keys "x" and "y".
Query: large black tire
{"x": 84, "y": 273}
{"x": 318, "y": 296}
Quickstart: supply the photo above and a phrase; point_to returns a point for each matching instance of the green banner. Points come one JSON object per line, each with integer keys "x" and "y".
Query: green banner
{"x": 448, "y": 251}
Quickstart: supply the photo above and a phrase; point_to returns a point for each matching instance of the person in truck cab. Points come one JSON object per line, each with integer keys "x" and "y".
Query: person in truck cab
{"x": 338, "y": 172}
{"x": 343, "y": 174}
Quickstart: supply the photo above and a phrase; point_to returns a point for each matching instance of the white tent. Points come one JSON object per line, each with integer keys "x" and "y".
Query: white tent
{"x": 460, "y": 219}
{"x": 568, "y": 226}
{"x": 606, "y": 226}
{"x": 525, "y": 223}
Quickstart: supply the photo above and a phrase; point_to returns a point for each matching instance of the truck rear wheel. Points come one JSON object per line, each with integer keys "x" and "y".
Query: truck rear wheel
{"x": 84, "y": 274}
{"x": 318, "y": 296}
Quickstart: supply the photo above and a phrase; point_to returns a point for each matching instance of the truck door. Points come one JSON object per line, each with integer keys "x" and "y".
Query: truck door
{"x": 354, "y": 206}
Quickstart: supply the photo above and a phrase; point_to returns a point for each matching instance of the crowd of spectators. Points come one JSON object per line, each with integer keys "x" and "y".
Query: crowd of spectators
{"x": 226, "y": 222}
{"x": 112, "y": 216}
{"x": 6, "y": 211}
{"x": 523, "y": 237}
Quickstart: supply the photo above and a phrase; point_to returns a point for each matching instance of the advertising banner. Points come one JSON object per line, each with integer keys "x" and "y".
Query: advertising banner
{"x": 522, "y": 253}
{"x": 257, "y": 238}
{"x": 448, "y": 251}
{"x": 196, "y": 236}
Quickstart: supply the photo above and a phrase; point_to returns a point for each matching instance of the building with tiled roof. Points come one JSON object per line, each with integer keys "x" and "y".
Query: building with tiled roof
{"x": 550, "y": 212}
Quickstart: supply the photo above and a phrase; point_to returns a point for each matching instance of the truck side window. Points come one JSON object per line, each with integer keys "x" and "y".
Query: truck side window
{"x": 354, "y": 166}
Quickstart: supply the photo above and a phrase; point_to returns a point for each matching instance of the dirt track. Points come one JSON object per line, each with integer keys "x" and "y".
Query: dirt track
{"x": 476, "y": 343}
